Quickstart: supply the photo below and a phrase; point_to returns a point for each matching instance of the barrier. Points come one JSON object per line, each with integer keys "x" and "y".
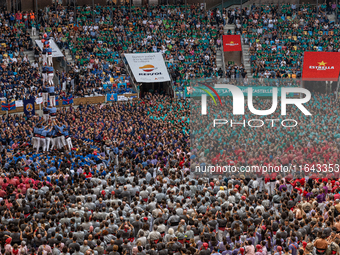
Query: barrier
{"x": 76, "y": 101}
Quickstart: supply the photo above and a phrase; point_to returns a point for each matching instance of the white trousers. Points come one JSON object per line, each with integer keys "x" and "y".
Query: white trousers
{"x": 45, "y": 97}
{"x": 46, "y": 117}
{"x": 38, "y": 143}
{"x": 52, "y": 100}
{"x": 267, "y": 187}
{"x": 44, "y": 59}
{"x": 43, "y": 143}
{"x": 34, "y": 31}
{"x": 49, "y": 60}
{"x": 261, "y": 183}
{"x": 47, "y": 143}
{"x": 50, "y": 78}
{"x": 69, "y": 143}
{"x": 57, "y": 142}
{"x": 34, "y": 142}
{"x": 44, "y": 76}
{"x": 53, "y": 142}
{"x": 63, "y": 141}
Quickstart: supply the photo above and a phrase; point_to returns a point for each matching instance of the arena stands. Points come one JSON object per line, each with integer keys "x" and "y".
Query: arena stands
{"x": 278, "y": 35}
{"x": 117, "y": 178}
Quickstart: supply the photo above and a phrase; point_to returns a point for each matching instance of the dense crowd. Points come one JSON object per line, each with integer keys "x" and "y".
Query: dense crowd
{"x": 278, "y": 35}
{"x": 18, "y": 76}
{"x": 188, "y": 40}
{"x": 315, "y": 139}
{"x": 187, "y": 37}
{"x": 125, "y": 185}
{"x": 121, "y": 178}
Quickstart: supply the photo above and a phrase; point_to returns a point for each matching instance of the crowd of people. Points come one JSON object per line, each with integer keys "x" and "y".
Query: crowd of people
{"x": 96, "y": 40}
{"x": 314, "y": 140}
{"x": 121, "y": 178}
{"x": 279, "y": 34}
{"x": 125, "y": 185}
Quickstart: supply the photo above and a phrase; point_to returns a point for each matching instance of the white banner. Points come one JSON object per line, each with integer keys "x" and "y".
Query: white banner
{"x": 148, "y": 67}
{"x": 122, "y": 98}
{"x": 38, "y": 100}
{"x": 55, "y": 49}
{"x": 19, "y": 103}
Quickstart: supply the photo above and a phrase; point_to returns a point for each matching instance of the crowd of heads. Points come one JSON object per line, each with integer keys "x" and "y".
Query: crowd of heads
{"x": 279, "y": 34}
{"x": 126, "y": 184}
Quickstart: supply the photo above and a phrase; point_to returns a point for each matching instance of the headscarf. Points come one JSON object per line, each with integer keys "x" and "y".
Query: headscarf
{"x": 304, "y": 244}
{"x": 259, "y": 248}
{"x": 279, "y": 249}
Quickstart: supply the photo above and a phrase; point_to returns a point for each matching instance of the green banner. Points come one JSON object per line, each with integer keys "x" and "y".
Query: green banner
{"x": 257, "y": 91}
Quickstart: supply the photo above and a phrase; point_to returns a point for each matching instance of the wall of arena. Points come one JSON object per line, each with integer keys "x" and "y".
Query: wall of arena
{"x": 76, "y": 101}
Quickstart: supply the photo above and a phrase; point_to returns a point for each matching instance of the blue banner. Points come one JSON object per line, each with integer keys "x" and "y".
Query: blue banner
{"x": 29, "y": 107}
{"x": 111, "y": 97}
{"x": 68, "y": 100}
{"x": 8, "y": 106}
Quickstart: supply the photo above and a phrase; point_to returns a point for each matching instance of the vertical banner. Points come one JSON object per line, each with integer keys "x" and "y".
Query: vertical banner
{"x": 29, "y": 109}
{"x": 232, "y": 43}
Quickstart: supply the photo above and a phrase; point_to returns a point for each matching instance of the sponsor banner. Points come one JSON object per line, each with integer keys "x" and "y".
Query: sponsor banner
{"x": 257, "y": 91}
{"x": 232, "y": 43}
{"x": 321, "y": 66}
{"x": 148, "y": 67}
{"x": 56, "y": 53}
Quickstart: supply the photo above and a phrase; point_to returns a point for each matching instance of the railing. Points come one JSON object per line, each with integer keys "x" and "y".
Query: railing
{"x": 223, "y": 60}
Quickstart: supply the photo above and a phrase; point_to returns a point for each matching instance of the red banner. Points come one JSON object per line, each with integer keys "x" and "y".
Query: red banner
{"x": 232, "y": 43}
{"x": 321, "y": 66}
